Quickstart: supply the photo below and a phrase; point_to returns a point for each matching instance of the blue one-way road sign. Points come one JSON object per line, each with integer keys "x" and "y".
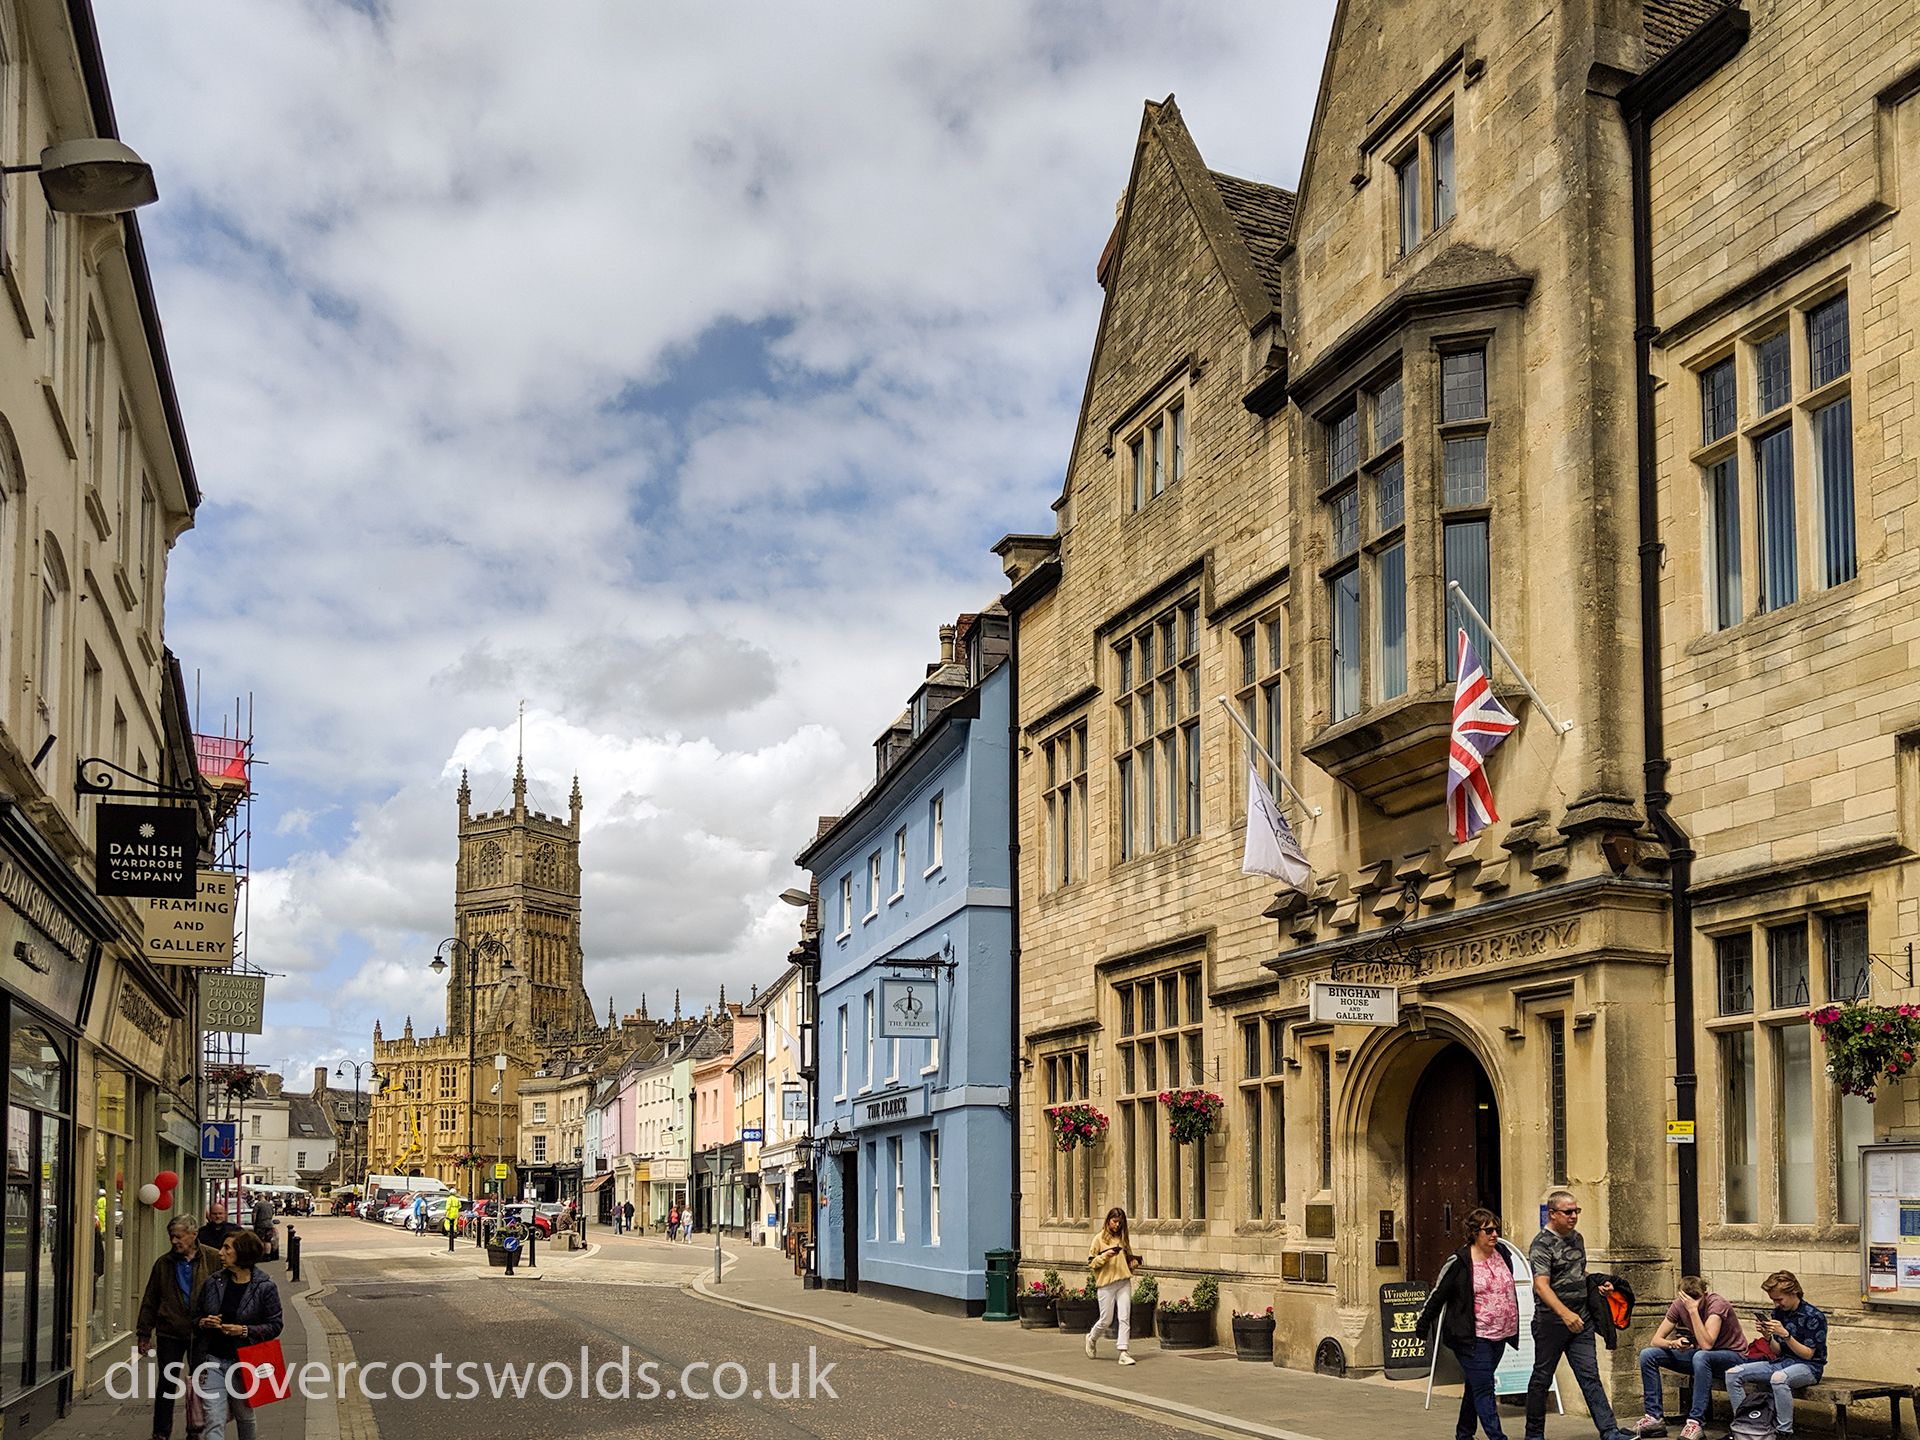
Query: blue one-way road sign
{"x": 219, "y": 1139}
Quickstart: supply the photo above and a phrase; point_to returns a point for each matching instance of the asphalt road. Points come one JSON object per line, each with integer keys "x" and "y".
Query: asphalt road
{"x": 657, "y": 1361}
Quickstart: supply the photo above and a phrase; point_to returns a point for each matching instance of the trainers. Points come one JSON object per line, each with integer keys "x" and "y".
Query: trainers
{"x": 1125, "y": 1358}
{"x": 1650, "y": 1425}
{"x": 1092, "y": 1340}
{"x": 1692, "y": 1430}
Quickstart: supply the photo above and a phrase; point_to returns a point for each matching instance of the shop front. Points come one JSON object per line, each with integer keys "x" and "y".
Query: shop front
{"x": 50, "y": 935}
{"x": 667, "y": 1187}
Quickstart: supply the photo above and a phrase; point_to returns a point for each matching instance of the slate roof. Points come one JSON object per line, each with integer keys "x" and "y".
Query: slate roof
{"x": 1668, "y": 22}
{"x": 1264, "y": 216}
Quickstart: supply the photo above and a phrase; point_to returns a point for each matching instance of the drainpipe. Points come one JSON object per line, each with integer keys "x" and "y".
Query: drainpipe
{"x": 1653, "y": 700}
{"x": 1013, "y": 915}
{"x": 1650, "y": 95}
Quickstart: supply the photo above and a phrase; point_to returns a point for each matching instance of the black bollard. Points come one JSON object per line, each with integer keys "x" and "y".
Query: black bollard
{"x": 293, "y": 1253}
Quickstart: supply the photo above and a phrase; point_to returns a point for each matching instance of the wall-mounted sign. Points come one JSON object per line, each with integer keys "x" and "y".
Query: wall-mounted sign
{"x": 136, "y": 1025}
{"x": 909, "y": 1010}
{"x": 196, "y": 931}
{"x": 1354, "y": 1004}
{"x": 752, "y": 1134}
{"x": 793, "y": 1105}
{"x": 889, "y": 1106}
{"x": 1679, "y": 1132}
{"x": 43, "y": 954}
{"x": 146, "y": 850}
{"x": 1890, "y": 1230}
{"x": 233, "y": 1004}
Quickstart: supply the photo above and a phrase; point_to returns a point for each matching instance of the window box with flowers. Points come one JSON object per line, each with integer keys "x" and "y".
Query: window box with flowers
{"x": 1036, "y": 1303}
{"x": 1187, "y": 1324}
{"x": 1191, "y": 1114}
{"x": 1869, "y": 1045}
{"x": 1075, "y": 1124}
{"x": 1253, "y": 1335}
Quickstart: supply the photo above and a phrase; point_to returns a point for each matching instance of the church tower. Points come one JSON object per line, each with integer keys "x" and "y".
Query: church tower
{"x": 517, "y": 880}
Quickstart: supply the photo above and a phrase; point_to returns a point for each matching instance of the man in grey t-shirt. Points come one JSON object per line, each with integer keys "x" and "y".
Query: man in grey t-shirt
{"x": 1561, "y": 1325}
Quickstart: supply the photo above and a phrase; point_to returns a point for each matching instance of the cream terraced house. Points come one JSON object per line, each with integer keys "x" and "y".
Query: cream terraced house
{"x": 1308, "y": 412}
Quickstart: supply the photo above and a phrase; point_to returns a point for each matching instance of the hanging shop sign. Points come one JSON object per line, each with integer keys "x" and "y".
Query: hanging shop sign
{"x": 793, "y": 1105}
{"x": 1343, "y": 1004}
{"x": 196, "y": 931}
{"x": 146, "y": 850}
{"x": 136, "y": 1025}
{"x": 233, "y": 1004}
{"x": 909, "y": 1010}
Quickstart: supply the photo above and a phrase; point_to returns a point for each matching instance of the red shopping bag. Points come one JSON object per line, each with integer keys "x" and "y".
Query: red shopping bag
{"x": 267, "y": 1378}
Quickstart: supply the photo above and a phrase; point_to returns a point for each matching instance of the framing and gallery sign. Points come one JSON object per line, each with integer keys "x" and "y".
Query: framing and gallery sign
{"x": 196, "y": 931}
{"x": 146, "y": 851}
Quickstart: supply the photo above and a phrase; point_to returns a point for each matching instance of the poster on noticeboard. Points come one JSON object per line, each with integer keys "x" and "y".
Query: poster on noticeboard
{"x": 1890, "y": 1225}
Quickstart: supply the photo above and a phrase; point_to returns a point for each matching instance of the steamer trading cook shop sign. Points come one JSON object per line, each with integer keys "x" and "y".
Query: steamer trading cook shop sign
{"x": 150, "y": 851}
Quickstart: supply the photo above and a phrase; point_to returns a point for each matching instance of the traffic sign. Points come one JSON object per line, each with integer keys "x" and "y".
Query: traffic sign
{"x": 500, "y": 1171}
{"x": 216, "y": 1169}
{"x": 219, "y": 1139}
{"x": 752, "y": 1134}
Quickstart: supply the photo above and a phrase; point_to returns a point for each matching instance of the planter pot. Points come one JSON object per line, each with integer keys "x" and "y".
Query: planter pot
{"x": 1253, "y": 1337}
{"x": 1037, "y": 1312}
{"x": 1186, "y": 1329}
{"x": 1077, "y": 1315}
{"x": 496, "y": 1257}
{"x": 1140, "y": 1320}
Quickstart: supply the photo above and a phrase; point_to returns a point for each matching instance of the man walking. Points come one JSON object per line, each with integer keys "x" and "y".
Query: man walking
{"x": 214, "y": 1233}
{"x": 165, "y": 1320}
{"x": 1561, "y": 1322}
{"x": 626, "y": 1212}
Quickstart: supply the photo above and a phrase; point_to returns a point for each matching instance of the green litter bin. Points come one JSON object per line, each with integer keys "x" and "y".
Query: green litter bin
{"x": 1001, "y": 1278}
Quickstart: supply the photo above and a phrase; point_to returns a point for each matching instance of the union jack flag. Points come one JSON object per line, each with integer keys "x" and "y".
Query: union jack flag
{"x": 1480, "y": 723}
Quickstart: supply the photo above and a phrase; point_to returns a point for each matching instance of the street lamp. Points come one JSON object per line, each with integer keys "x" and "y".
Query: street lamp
{"x": 499, "y": 1112}
{"x": 93, "y": 176}
{"x": 359, "y": 1116}
{"x": 486, "y": 944}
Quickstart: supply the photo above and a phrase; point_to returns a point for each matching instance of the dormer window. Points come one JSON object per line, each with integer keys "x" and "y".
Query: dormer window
{"x": 1425, "y": 193}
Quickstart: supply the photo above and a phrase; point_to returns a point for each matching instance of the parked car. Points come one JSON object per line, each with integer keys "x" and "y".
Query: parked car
{"x": 540, "y": 1217}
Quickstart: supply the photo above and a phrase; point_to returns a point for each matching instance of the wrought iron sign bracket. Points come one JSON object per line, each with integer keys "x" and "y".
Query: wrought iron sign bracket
{"x": 95, "y": 776}
{"x": 1888, "y": 962}
{"x": 1384, "y": 953}
{"x": 930, "y": 964}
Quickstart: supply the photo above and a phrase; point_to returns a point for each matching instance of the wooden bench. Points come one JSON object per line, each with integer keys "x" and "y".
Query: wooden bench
{"x": 1834, "y": 1390}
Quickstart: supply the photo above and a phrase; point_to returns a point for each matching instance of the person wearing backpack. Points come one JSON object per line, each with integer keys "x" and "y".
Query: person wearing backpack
{"x": 1796, "y": 1333}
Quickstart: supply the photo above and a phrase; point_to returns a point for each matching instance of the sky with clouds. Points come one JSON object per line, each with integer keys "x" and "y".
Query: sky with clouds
{"x": 668, "y": 367}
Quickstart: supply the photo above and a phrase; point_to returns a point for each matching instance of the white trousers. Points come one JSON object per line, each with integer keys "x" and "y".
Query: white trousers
{"x": 1116, "y": 1299}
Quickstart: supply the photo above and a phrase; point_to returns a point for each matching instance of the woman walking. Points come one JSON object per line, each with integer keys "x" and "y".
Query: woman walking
{"x": 1112, "y": 1260}
{"x": 1474, "y": 1307}
{"x": 238, "y": 1306}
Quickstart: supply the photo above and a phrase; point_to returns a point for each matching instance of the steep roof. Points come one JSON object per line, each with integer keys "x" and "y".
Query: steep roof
{"x": 1264, "y": 215}
{"x": 1668, "y": 22}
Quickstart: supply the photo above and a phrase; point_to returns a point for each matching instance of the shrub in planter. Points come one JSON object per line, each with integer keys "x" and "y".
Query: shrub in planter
{"x": 1188, "y": 1324}
{"x": 1077, "y": 1309}
{"x": 1253, "y": 1335}
{"x": 1146, "y": 1299}
{"x": 1036, "y": 1307}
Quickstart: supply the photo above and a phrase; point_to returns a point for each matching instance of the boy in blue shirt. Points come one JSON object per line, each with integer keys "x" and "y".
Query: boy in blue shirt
{"x": 1797, "y": 1333}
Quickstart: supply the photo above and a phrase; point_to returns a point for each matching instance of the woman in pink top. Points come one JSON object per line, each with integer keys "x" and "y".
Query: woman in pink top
{"x": 1473, "y": 1307}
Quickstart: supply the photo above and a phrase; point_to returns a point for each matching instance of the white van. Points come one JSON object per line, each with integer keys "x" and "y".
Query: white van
{"x": 380, "y": 1185}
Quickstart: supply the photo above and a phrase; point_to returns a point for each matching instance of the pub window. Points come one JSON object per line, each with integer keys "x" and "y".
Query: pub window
{"x": 1069, "y": 1173}
{"x": 1157, "y": 731}
{"x": 1161, "y": 1048}
{"x": 1066, "y": 801}
{"x": 1264, "y": 1117}
{"x": 1733, "y": 962}
{"x": 1720, "y": 468}
{"x": 1425, "y": 192}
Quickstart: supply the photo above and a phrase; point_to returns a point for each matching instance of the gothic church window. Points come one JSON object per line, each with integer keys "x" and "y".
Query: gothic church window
{"x": 493, "y": 864}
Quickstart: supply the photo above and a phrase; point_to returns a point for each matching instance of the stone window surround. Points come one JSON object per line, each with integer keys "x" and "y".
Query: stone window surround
{"x": 1813, "y": 903}
{"x": 1171, "y": 746}
{"x": 1063, "y": 1078}
{"x": 1737, "y": 334}
{"x": 1168, "y": 411}
{"x": 1417, "y": 720}
{"x": 1174, "y": 1199}
{"x": 1415, "y": 141}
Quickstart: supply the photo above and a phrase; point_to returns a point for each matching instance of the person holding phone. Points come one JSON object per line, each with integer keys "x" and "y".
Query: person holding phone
{"x": 1796, "y": 1332}
{"x": 1113, "y": 1262}
{"x": 238, "y": 1306}
{"x": 1701, "y": 1337}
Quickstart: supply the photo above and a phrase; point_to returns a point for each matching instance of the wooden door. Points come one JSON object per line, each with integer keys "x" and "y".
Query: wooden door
{"x": 1453, "y": 1161}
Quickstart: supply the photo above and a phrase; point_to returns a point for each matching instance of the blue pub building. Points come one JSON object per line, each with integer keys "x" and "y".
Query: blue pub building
{"x": 912, "y": 1113}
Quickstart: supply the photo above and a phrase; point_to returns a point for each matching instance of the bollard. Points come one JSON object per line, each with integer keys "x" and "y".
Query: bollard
{"x": 293, "y": 1253}
{"x": 533, "y": 1244}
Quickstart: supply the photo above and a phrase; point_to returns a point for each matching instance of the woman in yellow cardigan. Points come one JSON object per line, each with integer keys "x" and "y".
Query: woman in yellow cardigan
{"x": 1112, "y": 1260}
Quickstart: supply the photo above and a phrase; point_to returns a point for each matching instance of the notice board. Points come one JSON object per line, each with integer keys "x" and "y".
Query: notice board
{"x": 1890, "y": 1227}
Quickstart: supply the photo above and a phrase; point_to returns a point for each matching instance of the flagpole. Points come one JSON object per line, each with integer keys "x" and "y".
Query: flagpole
{"x": 1279, "y": 773}
{"x": 1460, "y": 597}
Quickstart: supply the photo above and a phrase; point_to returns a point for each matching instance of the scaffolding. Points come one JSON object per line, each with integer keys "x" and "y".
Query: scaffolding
{"x": 225, "y": 760}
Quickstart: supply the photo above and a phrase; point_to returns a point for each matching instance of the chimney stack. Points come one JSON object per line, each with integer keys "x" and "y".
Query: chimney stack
{"x": 319, "y": 1081}
{"x": 946, "y": 644}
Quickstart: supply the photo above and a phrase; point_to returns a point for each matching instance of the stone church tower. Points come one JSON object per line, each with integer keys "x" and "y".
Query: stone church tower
{"x": 517, "y": 880}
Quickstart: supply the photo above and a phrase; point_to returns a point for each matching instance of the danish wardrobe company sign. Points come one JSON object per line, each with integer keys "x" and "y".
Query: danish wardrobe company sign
{"x": 146, "y": 851}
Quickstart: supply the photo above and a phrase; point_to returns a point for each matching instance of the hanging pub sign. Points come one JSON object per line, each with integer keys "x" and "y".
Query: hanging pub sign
{"x": 196, "y": 931}
{"x": 146, "y": 850}
{"x": 909, "y": 1010}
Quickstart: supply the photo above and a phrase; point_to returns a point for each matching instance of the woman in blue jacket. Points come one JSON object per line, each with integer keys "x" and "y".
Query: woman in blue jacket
{"x": 238, "y": 1306}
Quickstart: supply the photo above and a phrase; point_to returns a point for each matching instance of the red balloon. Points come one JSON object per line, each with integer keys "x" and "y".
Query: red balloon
{"x": 166, "y": 1180}
{"x": 165, "y": 1202}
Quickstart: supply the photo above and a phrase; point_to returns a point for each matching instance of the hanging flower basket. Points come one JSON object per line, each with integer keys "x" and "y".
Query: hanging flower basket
{"x": 1076, "y": 1124}
{"x": 466, "y": 1159}
{"x": 1868, "y": 1045}
{"x": 1191, "y": 1114}
{"x": 237, "y": 1080}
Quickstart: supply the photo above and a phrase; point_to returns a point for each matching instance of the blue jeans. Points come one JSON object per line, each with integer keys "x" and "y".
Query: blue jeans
{"x": 1785, "y": 1376}
{"x": 211, "y": 1382}
{"x": 1478, "y": 1365}
{"x": 1702, "y": 1365}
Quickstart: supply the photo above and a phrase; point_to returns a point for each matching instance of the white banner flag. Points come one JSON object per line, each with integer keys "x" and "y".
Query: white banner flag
{"x": 1272, "y": 848}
